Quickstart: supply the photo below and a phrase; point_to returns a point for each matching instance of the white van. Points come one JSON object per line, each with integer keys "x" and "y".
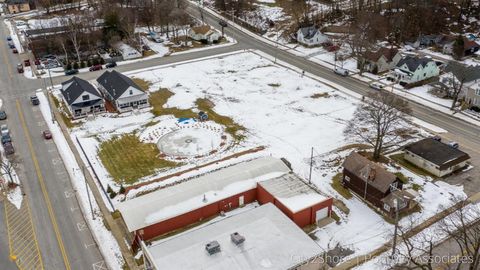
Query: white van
{"x": 341, "y": 71}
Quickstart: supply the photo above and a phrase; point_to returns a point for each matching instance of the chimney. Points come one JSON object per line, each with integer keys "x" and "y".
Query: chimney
{"x": 371, "y": 174}
{"x": 236, "y": 238}
{"x": 212, "y": 247}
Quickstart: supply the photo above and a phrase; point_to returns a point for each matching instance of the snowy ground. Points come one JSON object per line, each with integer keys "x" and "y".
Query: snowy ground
{"x": 105, "y": 240}
{"x": 276, "y": 107}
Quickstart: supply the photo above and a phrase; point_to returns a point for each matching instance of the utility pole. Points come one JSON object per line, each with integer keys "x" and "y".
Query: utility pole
{"x": 88, "y": 193}
{"x": 50, "y": 76}
{"x": 365, "y": 193}
{"x": 394, "y": 247}
{"x": 311, "y": 166}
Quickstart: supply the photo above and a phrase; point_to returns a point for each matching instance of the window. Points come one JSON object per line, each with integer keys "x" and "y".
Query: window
{"x": 85, "y": 97}
{"x": 347, "y": 178}
{"x": 131, "y": 92}
{"x": 477, "y": 92}
{"x": 386, "y": 207}
{"x": 425, "y": 74}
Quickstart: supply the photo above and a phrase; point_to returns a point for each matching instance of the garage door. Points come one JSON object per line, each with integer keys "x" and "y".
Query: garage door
{"x": 321, "y": 214}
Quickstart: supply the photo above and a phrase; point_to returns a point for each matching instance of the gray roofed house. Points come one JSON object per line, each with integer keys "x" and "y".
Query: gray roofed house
{"x": 435, "y": 157}
{"x": 81, "y": 98}
{"x": 122, "y": 91}
{"x": 311, "y": 36}
{"x": 414, "y": 69}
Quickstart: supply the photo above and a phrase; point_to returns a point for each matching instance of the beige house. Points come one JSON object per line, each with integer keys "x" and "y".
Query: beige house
{"x": 382, "y": 60}
{"x": 435, "y": 157}
{"x": 17, "y": 6}
{"x": 204, "y": 33}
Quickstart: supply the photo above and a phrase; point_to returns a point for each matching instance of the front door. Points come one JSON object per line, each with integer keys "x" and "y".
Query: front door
{"x": 241, "y": 200}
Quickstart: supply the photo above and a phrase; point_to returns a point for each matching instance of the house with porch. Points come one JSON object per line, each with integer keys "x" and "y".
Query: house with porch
{"x": 471, "y": 82}
{"x": 122, "y": 91}
{"x": 369, "y": 180}
{"x": 311, "y": 36}
{"x": 204, "y": 33}
{"x": 81, "y": 98}
{"x": 381, "y": 60}
{"x": 414, "y": 69}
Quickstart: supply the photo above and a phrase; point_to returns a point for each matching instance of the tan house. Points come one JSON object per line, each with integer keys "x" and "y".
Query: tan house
{"x": 17, "y": 6}
{"x": 382, "y": 60}
{"x": 204, "y": 33}
{"x": 435, "y": 157}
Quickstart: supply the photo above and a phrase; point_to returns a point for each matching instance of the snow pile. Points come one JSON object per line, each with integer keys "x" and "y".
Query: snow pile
{"x": 105, "y": 240}
{"x": 15, "y": 196}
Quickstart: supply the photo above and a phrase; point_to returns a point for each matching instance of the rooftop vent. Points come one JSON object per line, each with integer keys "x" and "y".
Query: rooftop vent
{"x": 212, "y": 247}
{"x": 237, "y": 238}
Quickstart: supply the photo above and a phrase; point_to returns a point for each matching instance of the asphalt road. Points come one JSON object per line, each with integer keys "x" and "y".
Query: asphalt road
{"x": 64, "y": 241}
{"x": 5, "y": 261}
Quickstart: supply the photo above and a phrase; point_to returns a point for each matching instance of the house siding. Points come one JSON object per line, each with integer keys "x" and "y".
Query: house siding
{"x": 16, "y": 8}
{"x": 429, "y": 166}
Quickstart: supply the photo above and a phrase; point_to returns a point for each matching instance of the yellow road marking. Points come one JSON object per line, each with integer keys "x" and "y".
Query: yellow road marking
{"x": 8, "y": 229}
{"x": 43, "y": 187}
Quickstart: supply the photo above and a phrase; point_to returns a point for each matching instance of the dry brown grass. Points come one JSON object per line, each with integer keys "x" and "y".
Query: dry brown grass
{"x": 144, "y": 84}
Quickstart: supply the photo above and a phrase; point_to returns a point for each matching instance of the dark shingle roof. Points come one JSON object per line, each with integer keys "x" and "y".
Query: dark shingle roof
{"x": 469, "y": 73}
{"x": 115, "y": 83}
{"x": 389, "y": 53}
{"x": 413, "y": 62}
{"x": 76, "y": 88}
{"x": 437, "y": 152}
{"x": 359, "y": 165}
{"x": 308, "y": 32}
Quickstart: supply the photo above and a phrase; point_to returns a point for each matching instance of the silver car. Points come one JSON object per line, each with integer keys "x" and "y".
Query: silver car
{"x": 4, "y": 130}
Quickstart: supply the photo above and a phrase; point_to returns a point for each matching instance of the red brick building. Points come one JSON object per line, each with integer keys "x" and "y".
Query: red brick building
{"x": 264, "y": 180}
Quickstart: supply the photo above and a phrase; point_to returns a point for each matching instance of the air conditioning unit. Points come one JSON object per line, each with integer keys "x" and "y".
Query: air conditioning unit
{"x": 212, "y": 247}
{"x": 237, "y": 238}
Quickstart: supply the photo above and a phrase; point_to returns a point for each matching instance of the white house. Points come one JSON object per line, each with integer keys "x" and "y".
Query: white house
{"x": 127, "y": 51}
{"x": 413, "y": 69}
{"x": 470, "y": 76}
{"x": 381, "y": 60}
{"x": 81, "y": 98}
{"x": 435, "y": 157}
{"x": 121, "y": 91}
{"x": 311, "y": 36}
{"x": 204, "y": 33}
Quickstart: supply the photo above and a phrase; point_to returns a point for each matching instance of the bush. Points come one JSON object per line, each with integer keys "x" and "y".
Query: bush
{"x": 75, "y": 65}
{"x": 95, "y": 61}
{"x": 68, "y": 66}
{"x": 475, "y": 108}
{"x": 82, "y": 64}
{"x": 113, "y": 194}
{"x": 89, "y": 63}
{"x": 102, "y": 61}
{"x": 109, "y": 189}
{"x": 122, "y": 189}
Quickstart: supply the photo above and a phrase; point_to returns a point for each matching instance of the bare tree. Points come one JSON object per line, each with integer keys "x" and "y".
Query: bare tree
{"x": 460, "y": 74}
{"x": 376, "y": 120}
{"x": 7, "y": 167}
{"x": 463, "y": 226}
{"x": 74, "y": 29}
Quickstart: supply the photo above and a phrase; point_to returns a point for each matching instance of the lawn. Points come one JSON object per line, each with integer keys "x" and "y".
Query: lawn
{"x": 337, "y": 185}
{"x": 144, "y": 84}
{"x": 61, "y": 109}
{"x": 409, "y": 166}
{"x": 127, "y": 159}
{"x": 160, "y": 97}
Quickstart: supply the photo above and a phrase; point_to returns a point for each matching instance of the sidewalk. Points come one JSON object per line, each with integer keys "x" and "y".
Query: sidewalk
{"x": 115, "y": 226}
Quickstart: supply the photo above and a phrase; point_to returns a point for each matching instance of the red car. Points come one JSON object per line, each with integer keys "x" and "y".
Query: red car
{"x": 20, "y": 68}
{"x": 26, "y": 62}
{"x": 15, "y": 50}
{"x": 47, "y": 134}
{"x": 95, "y": 68}
{"x": 37, "y": 62}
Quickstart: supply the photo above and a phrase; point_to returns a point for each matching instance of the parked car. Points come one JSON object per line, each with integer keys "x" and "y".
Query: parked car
{"x": 20, "y": 68}
{"x": 6, "y": 139}
{"x": 71, "y": 72}
{"x": 15, "y": 50}
{"x": 3, "y": 115}
{"x": 26, "y": 62}
{"x": 49, "y": 56}
{"x": 4, "y": 130}
{"x": 95, "y": 67}
{"x": 11, "y": 45}
{"x": 8, "y": 147}
{"x": 37, "y": 62}
{"x": 34, "y": 100}
{"x": 341, "y": 71}
{"x": 453, "y": 144}
{"x": 111, "y": 65}
{"x": 223, "y": 23}
{"x": 437, "y": 138}
{"x": 376, "y": 86}
{"x": 47, "y": 135}
{"x": 9, "y": 38}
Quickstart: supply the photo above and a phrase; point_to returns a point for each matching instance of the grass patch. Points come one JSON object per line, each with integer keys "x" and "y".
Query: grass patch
{"x": 409, "y": 166}
{"x": 152, "y": 123}
{"x": 416, "y": 187}
{"x": 335, "y": 216}
{"x": 320, "y": 95}
{"x": 231, "y": 127}
{"x": 127, "y": 159}
{"x": 159, "y": 98}
{"x": 116, "y": 214}
{"x": 337, "y": 185}
{"x": 402, "y": 177}
{"x": 143, "y": 84}
{"x": 65, "y": 116}
{"x": 274, "y": 84}
{"x": 149, "y": 53}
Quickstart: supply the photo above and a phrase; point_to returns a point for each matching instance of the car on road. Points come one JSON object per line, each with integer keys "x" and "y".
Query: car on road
{"x": 34, "y": 100}
{"x": 223, "y": 23}
{"x": 20, "y": 68}
{"x": 37, "y": 62}
{"x": 95, "y": 67}
{"x": 376, "y": 86}
{"x": 71, "y": 72}
{"x": 11, "y": 45}
{"x": 26, "y": 62}
{"x": 4, "y": 130}
{"x": 9, "y": 38}
{"x": 3, "y": 115}
{"x": 6, "y": 138}
{"x": 453, "y": 144}
{"x": 111, "y": 65}
{"x": 341, "y": 71}
{"x": 47, "y": 135}
{"x": 15, "y": 50}
{"x": 437, "y": 138}
{"x": 8, "y": 147}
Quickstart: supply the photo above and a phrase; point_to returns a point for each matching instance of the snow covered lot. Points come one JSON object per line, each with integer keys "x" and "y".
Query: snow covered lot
{"x": 281, "y": 110}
